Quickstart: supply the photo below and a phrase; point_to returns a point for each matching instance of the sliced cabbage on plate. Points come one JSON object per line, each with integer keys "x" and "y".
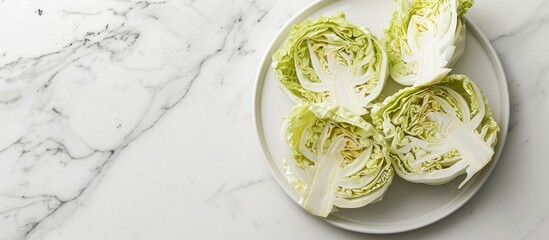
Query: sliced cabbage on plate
{"x": 333, "y": 61}
{"x": 425, "y": 39}
{"x": 438, "y": 132}
{"x": 334, "y": 158}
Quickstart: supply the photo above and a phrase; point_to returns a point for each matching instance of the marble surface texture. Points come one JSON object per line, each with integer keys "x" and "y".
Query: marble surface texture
{"x": 132, "y": 120}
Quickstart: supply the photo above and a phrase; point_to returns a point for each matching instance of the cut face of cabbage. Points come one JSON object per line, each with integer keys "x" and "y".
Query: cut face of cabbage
{"x": 424, "y": 39}
{"x": 334, "y": 158}
{"x": 332, "y": 61}
{"x": 439, "y": 132}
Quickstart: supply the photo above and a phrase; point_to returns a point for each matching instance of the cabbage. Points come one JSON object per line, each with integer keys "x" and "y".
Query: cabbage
{"x": 424, "y": 39}
{"x": 334, "y": 158}
{"x": 332, "y": 61}
{"x": 438, "y": 132}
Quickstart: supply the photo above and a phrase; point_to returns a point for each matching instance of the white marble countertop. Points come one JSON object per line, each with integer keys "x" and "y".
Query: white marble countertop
{"x": 131, "y": 120}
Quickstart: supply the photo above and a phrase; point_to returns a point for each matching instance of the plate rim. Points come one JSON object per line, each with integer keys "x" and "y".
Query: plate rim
{"x": 259, "y": 81}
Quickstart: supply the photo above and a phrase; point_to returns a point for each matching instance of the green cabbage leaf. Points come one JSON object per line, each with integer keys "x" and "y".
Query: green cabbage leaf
{"x": 425, "y": 39}
{"x": 334, "y": 158}
{"x": 438, "y": 132}
{"x": 332, "y": 61}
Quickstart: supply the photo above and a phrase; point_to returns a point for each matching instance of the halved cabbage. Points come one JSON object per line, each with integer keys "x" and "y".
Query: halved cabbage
{"x": 439, "y": 132}
{"x": 334, "y": 158}
{"x": 424, "y": 39}
{"x": 332, "y": 61}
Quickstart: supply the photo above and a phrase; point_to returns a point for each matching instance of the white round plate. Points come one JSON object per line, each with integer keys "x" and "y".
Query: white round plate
{"x": 405, "y": 206}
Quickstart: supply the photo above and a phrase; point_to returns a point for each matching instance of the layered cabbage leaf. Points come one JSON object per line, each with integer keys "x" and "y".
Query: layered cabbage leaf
{"x": 334, "y": 158}
{"x": 333, "y": 61}
{"x": 425, "y": 39}
{"x": 438, "y": 132}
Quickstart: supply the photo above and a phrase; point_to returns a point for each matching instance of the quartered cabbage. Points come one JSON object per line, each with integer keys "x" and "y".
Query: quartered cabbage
{"x": 439, "y": 132}
{"x": 332, "y": 61}
{"x": 424, "y": 39}
{"x": 334, "y": 158}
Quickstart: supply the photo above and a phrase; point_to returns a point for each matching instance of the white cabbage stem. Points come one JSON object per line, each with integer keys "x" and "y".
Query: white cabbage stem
{"x": 319, "y": 199}
{"x": 470, "y": 145}
{"x": 473, "y": 150}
